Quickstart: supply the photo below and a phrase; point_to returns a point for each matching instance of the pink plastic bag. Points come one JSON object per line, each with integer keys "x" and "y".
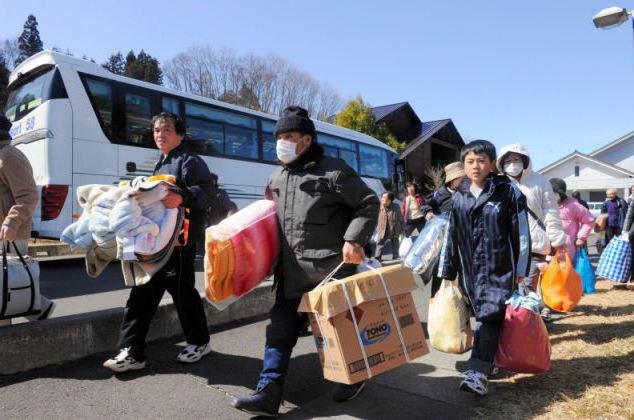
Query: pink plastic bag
{"x": 524, "y": 346}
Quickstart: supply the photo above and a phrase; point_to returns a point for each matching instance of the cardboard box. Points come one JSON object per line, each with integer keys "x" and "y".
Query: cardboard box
{"x": 341, "y": 346}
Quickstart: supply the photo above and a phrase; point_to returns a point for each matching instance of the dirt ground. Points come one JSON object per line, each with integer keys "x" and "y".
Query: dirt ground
{"x": 592, "y": 374}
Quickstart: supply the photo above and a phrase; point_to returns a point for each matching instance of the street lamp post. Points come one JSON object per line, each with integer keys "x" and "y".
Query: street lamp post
{"x": 611, "y": 17}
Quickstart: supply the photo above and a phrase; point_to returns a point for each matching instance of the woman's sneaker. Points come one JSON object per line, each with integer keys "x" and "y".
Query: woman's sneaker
{"x": 193, "y": 353}
{"x": 123, "y": 362}
{"x": 546, "y": 317}
{"x": 475, "y": 382}
{"x": 48, "y": 311}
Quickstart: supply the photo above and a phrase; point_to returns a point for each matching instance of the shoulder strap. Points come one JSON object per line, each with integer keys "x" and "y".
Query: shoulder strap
{"x": 5, "y": 279}
{"x": 540, "y": 223}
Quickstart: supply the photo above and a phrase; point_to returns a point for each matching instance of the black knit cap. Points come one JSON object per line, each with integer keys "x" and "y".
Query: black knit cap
{"x": 294, "y": 118}
{"x": 5, "y": 126}
{"x": 559, "y": 185}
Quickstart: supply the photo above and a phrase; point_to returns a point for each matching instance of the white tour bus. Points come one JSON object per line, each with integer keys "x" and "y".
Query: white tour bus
{"x": 80, "y": 124}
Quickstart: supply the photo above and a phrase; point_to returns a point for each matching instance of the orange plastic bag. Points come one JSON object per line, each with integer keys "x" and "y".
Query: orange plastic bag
{"x": 561, "y": 285}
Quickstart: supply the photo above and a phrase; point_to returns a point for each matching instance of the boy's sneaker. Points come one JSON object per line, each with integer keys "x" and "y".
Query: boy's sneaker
{"x": 475, "y": 382}
{"x": 193, "y": 353}
{"x": 123, "y": 362}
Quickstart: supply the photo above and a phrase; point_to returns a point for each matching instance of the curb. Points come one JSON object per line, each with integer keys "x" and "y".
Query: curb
{"x": 33, "y": 345}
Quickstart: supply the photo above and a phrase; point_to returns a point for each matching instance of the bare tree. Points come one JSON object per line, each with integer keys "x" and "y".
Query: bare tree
{"x": 264, "y": 83}
{"x": 10, "y": 51}
{"x": 433, "y": 178}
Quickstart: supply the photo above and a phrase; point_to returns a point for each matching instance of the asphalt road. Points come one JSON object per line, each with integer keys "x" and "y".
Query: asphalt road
{"x": 68, "y": 278}
{"x": 166, "y": 389}
{"x": 66, "y": 282}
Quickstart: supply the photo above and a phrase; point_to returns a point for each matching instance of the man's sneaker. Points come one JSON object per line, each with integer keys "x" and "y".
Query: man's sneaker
{"x": 193, "y": 353}
{"x": 345, "y": 392}
{"x": 475, "y": 382}
{"x": 47, "y": 312}
{"x": 264, "y": 401}
{"x": 123, "y": 362}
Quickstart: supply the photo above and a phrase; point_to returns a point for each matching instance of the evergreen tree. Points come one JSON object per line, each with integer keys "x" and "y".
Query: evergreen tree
{"x": 143, "y": 67}
{"x": 4, "y": 81}
{"x": 29, "y": 41}
{"x": 115, "y": 63}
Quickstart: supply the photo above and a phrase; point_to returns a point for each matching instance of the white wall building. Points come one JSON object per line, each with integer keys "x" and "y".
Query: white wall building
{"x": 611, "y": 166}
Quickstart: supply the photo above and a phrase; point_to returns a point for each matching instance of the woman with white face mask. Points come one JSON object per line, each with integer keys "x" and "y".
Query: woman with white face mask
{"x": 547, "y": 233}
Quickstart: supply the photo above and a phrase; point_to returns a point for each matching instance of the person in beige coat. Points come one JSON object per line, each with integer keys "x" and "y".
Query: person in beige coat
{"x": 18, "y": 199}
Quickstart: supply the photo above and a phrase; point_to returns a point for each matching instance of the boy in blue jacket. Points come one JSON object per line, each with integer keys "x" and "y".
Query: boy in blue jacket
{"x": 488, "y": 247}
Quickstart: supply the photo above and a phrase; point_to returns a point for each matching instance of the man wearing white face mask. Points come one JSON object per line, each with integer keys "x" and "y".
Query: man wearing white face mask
{"x": 547, "y": 233}
{"x": 326, "y": 215}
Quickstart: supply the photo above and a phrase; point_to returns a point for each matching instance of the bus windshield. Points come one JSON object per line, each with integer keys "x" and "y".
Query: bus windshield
{"x": 27, "y": 96}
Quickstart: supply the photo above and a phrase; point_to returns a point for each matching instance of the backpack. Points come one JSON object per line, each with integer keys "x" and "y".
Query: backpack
{"x": 221, "y": 208}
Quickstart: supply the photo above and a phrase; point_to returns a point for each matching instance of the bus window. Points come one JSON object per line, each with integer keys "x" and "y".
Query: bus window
{"x": 241, "y": 142}
{"x": 194, "y": 110}
{"x": 335, "y": 142}
{"x": 330, "y": 151}
{"x": 138, "y": 113}
{"x": 205, "y": 137}
{"x": 268, "y": 141}
{"x": 373, "y": 162}
{"x": 171, "y": 105}
{"x": 268, "y": 126}
{"x": 27, "y": 96}
{"x": 101, "y": 96}
{"x": 268, "y": 148}
{"x": 350, "y": 158}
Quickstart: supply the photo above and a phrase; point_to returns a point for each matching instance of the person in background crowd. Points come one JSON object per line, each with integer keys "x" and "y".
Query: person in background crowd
{"x": 413, "y": 211}
{"x": 177, "y": 276}
{"x": 487, "y": 247}
{"x": 18, "y": 200}
{"x": 628, "y": 227}
{"x": 545, "y": 226}
{"x": 326, "y": 214}
{"x": 577, "y": 223}
{"x": 390, "y": 226}
{"x": 577, "y": 196}
{"x": 439, "y": 201}
{"x": 616, "y": 209}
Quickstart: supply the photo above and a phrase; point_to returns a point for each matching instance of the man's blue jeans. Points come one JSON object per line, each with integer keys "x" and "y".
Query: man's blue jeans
{"x": 281, "y": 337}
{"x": 283, "y": 331}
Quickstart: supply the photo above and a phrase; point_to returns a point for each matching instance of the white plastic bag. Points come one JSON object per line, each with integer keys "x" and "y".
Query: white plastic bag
{"x": 404, "y": 247}
{"x": 424, "y": 253}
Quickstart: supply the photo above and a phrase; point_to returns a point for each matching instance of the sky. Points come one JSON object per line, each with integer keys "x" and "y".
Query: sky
{"x": 535, "y": 72}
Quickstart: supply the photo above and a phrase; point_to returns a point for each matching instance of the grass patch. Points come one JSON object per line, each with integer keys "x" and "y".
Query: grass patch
{"x": 592, "y": 374}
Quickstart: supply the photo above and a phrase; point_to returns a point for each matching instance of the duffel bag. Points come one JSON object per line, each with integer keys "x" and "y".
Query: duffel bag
{"x": 20, "y": 285}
